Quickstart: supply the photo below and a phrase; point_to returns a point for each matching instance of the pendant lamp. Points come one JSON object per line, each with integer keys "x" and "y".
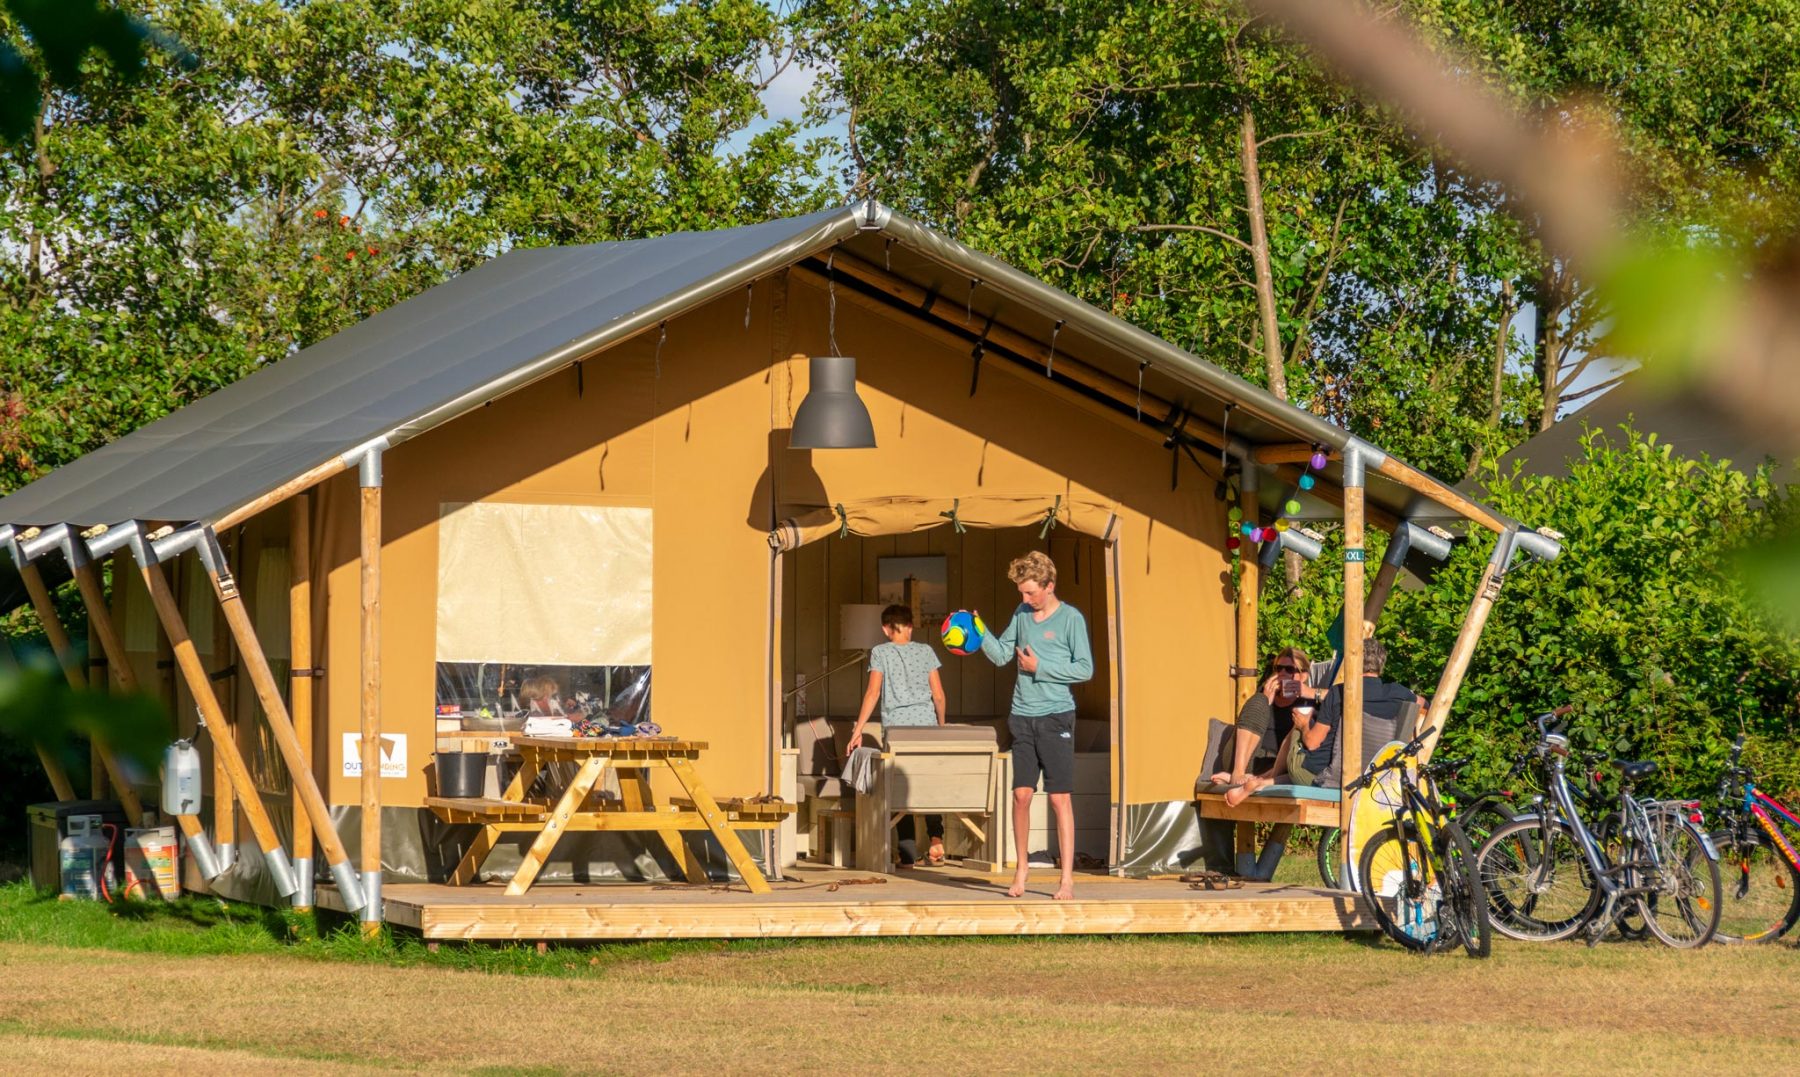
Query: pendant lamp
{"x": 832, "y": 416}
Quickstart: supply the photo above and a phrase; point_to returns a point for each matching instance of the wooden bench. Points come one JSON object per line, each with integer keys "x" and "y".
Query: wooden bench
{"x": 1299, "y": 811}
{"x": 745, "y": 813}
{"x": 482, "y": 809}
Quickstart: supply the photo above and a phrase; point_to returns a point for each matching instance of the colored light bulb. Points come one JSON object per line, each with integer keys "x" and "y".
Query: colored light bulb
{"x": 1234, "y": 514}
{"x": 1292, "y": 508}
{"x": 1307, "y": 481}
{"x": 1249, "y": 530}
{"x": 1233, "y": 542}
{"x": 1318, "y": 461}
{"x": 1281, "y": 525}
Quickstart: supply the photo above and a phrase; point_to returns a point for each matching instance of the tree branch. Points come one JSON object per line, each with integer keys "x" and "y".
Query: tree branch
{"x": 1193, "y": 228}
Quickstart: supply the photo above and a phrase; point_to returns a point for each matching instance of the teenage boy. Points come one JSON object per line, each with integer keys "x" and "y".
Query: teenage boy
{"x": 1049, "y": 638}
{"x": 904, "y": 681}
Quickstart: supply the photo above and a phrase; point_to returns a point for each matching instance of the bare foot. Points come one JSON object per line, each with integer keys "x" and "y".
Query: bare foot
{"x": 1065, "y": 892}
{"x": 1017, "y": 889}
{"x": 1223, "y": 777}
{"x": 1238, "y": 794}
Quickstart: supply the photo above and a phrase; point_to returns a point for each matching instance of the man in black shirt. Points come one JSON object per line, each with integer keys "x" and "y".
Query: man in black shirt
{"x": 1316, "y": 741}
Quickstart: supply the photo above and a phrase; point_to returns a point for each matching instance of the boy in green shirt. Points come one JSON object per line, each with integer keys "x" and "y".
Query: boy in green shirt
{"x": 904, "y": 682}
{"x": 1049, "y": 637}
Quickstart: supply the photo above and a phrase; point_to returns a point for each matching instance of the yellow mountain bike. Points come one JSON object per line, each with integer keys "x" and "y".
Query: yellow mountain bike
{"x": 1417, "y": 874}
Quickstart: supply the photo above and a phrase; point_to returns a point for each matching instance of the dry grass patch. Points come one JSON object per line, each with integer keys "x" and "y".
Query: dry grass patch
{"x": 1061, "y": 1005}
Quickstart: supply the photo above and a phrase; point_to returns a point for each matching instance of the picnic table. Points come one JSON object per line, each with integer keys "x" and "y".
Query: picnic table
{"x": 577, "y": 809}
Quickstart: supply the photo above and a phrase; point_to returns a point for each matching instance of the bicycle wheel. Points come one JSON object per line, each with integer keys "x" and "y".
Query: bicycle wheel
{"x": 1331, "y": 850}
{"x": 1762, "y": 890}
{"x": 1481, "y": 819}
{"x": 1539, "y": 887}
{"x": 1683, "y": 908}
{"x": 1464, "y": 913}
{"x": 1399, "y": 891}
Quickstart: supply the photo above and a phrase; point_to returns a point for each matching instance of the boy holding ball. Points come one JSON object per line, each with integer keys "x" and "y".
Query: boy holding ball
{"x": 1049, "y": 638}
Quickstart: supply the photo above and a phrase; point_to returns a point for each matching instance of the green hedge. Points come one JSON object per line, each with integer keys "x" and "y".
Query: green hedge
{"x": 1640, "y": 623}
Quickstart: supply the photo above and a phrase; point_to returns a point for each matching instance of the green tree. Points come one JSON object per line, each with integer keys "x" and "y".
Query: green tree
{"x": 317, "y": 163}
{"x": 1178, "y": 166}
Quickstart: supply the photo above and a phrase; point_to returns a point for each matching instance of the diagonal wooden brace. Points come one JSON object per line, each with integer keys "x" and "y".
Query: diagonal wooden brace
{"x": 268, "y": 693}
{"x": 71, "y": 666}
{"x": 187, "y": 659}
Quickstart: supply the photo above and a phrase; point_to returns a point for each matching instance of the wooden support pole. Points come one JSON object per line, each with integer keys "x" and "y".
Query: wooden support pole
{"x": 1379, "y": 591}
{"x": 71, "y": 667}
{"x": 337, "y": 465}
{"x": 1426, "y": 486}
{"x": 1349, "y": 731}
{"x": 1285, "y": 454}
{"x": 224, "y": 800}
{"x": 268, "y": 693}
{"x": 370, "y": 555}
{"x": 1493, "y": 578}
{"x": 96, "y": 680}
{"x": 301, "y": 681}
{"x": 1249, "y": 595}
{"x": 225, "y": 748}
{"x": 105, "y": 630}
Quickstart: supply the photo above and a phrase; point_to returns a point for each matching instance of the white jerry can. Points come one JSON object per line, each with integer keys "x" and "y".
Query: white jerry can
{"x": 181, "y": 779}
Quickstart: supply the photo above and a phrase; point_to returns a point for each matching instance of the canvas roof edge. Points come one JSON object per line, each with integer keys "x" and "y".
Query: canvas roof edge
{"x": 671, "y": 305}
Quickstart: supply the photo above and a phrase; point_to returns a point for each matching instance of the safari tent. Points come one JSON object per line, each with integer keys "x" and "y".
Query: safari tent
{"x": 578, "y": 460}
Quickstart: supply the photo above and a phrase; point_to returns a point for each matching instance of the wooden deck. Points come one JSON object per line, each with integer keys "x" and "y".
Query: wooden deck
{"x": 825, "y": 902}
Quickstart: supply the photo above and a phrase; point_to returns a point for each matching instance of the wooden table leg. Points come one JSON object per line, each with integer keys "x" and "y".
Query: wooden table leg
{"x": 522, "y": 780}
{"x": 470, "y": 865}
{"x": 556, "y": 825}
{"x": 635, "y": 791}
{"x": 719, "y": 826}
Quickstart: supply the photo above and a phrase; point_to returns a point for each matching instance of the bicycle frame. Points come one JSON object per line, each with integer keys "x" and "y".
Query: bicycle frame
{"x": 1758, "y": 805}
{"x": 1564, "y": 799}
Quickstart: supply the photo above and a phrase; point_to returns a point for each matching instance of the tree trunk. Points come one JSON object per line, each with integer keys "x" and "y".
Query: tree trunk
{"x": 1265, "y": 295}
{"x": 1497, "y": 391}
{"x": 1259, "y": 256}
{"x": 1551, "y": 305}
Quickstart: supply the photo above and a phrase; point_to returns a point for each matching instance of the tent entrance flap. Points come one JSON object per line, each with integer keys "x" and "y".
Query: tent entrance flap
{"x": 802, "y": 524}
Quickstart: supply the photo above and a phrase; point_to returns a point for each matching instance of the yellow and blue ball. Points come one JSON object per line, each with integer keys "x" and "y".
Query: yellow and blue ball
{"x": 962, "y": 632}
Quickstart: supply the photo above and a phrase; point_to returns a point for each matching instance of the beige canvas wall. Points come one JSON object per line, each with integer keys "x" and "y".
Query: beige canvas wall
{"x": 700, "y": 442}
{"x": 1020, "y": 435}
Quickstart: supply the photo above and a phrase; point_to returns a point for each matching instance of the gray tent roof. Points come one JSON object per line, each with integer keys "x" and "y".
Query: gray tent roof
{"x": 1685, "y": 422}
{"x": 531, "y": 312}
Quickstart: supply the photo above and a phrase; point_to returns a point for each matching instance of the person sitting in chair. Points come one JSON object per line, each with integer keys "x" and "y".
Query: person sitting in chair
{"x": 1316, "y": 740}
{"x": 1265, "y": 718}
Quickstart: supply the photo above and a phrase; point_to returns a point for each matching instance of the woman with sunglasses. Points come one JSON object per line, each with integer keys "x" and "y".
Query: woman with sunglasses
{"x": 1263, "y": 726}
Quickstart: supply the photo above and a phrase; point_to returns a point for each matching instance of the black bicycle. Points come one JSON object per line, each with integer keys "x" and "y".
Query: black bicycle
{"x": 1418, "y": 873}
{"x": 1548, "y": 875}
{"x": 1479, "y": 814}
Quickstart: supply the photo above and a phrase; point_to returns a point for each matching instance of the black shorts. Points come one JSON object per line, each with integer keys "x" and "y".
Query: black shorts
{"x": 1045, "y": 745}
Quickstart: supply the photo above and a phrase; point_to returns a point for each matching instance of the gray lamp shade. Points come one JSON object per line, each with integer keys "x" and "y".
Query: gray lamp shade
{"x": 832, "y": 416}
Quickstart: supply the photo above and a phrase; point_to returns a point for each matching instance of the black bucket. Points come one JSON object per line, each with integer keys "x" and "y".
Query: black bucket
{"x": 461, "y": 774}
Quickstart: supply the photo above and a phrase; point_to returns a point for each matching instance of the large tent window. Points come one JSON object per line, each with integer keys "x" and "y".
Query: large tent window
{"x": 557, "y": 592}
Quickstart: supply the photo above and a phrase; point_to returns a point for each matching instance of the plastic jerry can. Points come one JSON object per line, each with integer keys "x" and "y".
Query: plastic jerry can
{"x": 181, "y": 779}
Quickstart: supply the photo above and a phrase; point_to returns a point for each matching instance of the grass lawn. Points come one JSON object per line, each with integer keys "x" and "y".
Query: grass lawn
{"x": 202, "y": 987}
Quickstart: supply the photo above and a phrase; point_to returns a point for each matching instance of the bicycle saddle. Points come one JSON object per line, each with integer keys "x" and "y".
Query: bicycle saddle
{"x": 1632, "y": 770}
